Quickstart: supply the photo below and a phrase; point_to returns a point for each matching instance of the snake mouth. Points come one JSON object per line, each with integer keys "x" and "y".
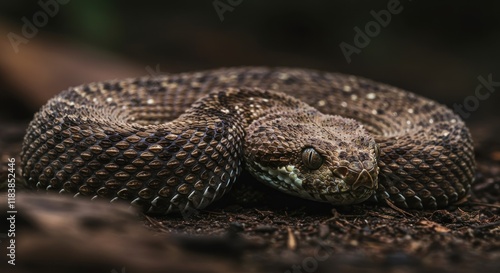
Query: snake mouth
{"x": 343, "y": 198}
{"x": 341, "y": 187}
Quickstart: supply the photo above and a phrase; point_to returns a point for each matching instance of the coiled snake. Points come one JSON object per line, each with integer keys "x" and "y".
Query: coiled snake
{"x": 177, "y": 142}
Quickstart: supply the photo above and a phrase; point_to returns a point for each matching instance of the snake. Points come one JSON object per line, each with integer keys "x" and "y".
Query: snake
{"x": 177, "y": 142}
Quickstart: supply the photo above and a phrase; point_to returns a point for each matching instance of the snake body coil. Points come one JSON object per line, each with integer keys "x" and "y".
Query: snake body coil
{"x": 177, "y": 142}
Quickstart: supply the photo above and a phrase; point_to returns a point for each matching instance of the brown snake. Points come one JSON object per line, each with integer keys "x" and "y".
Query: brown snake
{"x": 322, "y": 136}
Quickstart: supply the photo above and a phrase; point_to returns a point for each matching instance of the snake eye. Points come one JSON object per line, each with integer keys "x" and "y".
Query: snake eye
{"x": 312, "y": 159}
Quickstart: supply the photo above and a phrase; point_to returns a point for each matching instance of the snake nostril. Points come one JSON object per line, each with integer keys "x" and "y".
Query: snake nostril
{"x": 368, "y": 165}
{"x": 341, "y": 172}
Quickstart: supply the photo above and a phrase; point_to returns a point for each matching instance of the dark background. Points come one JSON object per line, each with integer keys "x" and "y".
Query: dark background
{"x": 434, "y": 48}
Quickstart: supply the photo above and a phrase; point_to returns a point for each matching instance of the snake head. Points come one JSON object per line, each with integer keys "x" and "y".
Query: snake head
{"x": 314, "y": 156}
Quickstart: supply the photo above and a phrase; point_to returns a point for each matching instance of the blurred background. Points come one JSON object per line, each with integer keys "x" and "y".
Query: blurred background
{"x": 437, "y": 49}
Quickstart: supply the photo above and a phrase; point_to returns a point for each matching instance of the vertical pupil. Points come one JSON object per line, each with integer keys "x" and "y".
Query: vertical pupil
{"x": 311, "y": 158}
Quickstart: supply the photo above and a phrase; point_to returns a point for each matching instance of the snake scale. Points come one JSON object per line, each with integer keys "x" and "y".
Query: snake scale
{"x": 177, "y": 142}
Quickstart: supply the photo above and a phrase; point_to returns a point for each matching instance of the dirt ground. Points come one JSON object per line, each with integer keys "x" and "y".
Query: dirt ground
{"x": 275, "y": 234}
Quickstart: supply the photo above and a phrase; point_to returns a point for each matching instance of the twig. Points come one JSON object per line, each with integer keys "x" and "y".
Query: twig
{"x": 485, "y": 205}
{"x": 497, "y": 223}
{"x": 392, "y": 206}
{"x": 291, "y": 242}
